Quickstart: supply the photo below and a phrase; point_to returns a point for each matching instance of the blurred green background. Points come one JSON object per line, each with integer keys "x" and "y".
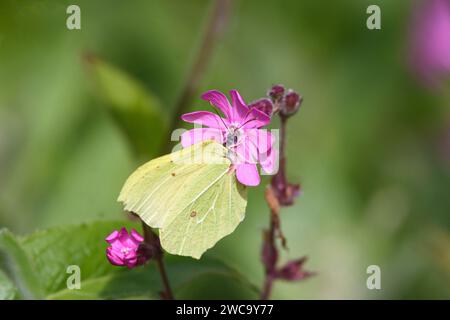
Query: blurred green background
{"x": 366, "y": 145}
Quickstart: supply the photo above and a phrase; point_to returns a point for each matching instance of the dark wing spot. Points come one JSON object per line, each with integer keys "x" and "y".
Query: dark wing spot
{"x": 193, "y": 214}
{"x": 173, "y": 174}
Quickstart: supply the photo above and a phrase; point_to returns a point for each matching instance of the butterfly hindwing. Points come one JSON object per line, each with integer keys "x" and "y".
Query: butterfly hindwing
{"x": 213, "y": 216}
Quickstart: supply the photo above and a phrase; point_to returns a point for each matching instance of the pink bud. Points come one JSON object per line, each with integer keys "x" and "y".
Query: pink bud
{"x": 276, "y": 92}
{"x": 292, "y": 102}
{"x": 124, "y": 248}
{"x": 292, "y": 271}
{"x": 264, "y": 105}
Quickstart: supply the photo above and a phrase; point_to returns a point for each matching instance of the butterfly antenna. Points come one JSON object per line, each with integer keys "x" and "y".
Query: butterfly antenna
{"x": 215, "y": 110}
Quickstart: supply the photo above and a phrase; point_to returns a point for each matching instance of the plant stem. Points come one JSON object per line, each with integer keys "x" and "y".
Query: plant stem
{"x": 214, "y": 29}
{"x": 270, "y": 264}
{"x": 270, "y": 269}
{"x": 282, "y": 171}
{"x": 273, "y": 201}
{"x": 168, "y": 295}
{"x": 267, "y": 290}
{"x": 213, "y": 32}
{"x": 153, "y": 240}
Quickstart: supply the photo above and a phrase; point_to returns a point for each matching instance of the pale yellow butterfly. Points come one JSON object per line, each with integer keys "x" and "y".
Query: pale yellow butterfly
{"x": 190, "y": 195}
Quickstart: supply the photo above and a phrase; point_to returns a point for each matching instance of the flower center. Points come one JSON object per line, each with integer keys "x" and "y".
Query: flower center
{"x": 233, "y": 137}
{"x": 125, "y": 251}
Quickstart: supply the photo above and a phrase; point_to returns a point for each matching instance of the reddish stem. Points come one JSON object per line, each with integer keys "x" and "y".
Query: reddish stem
{"x": 152, "y": 240}
{"x": 273, "y": 198}
{"x": 214, "y": 29}
{"x": 270, "y": 264}
{"x": 267, "y": 290}
{"x": 217, "y": 21}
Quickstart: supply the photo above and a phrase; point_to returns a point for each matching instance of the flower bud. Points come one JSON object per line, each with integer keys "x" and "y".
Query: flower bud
{"x": 264, "y": 105}
{"x": 276, "y": 92}
{"x": 291, "y": 103}
{"x": 124, "y": 248}
{"x": 285, "y": 192}
{"x": 293, "y": 271}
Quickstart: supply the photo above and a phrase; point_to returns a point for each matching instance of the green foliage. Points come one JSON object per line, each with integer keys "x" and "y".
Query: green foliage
{"x": 15, "y": 263}
{"x": 145, "y": 282}
{"x": 365, "y": 145}
{"x": 7, "y": 289}
{"x": 37, "y": 266}
{"x": 54, "y": 249}
{"x": 136, "y": 110}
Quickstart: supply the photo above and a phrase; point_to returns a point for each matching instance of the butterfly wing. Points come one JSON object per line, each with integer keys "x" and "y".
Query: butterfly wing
{"x": 214, "y": 214}
{"x": 190, "y": 195}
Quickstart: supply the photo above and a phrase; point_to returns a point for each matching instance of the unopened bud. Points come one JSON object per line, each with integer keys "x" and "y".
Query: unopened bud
{"x": 293, "y": 271}
{"x": 264, "y": 105}
{"x": 292, "y": 102}
{"x": 276, "y": 92}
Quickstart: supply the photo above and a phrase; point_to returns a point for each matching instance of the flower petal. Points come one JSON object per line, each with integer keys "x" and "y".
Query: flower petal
{"x": 112, "y": 237}
{"x": 240, "y": 109}
{"x": 269, "y": 161}
{"x": 131, "y": 263}
{"x": 267, "y": 152}
{"x": 247, "y": 174}
{"x": 246, "y": 151}
{"x": 205, "y": 118}
{"x": 219, "y": 100}
{"x": 136, "y": 236}
{"x": 113, "y": 257}
{"x": 263, "y": 139}
{"x": 196, "y": 135}
{"x": 258, "y": 119}
{"x": 123, "y": 235}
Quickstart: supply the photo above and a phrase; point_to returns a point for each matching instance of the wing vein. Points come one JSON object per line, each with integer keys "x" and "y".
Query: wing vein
{"x": 205, "y": 189}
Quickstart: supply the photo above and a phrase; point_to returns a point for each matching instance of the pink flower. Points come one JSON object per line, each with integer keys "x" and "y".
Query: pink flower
{"x": 430, "y": 40}
{"x": 124, "y": 248}
{"x": 239, "y": 131}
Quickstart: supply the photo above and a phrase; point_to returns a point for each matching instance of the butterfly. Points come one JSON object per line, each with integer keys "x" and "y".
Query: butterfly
{"x": 192, "y": 196}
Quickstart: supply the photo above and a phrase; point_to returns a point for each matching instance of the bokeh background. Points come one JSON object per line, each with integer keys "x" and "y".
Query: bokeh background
{"x": 370, "y": 145}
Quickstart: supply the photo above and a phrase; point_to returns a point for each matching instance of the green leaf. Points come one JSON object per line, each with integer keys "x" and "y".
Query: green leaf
{"x": 15, "y": 264}
{"x": 7, "y": 289}
{"x": 192, "y": 279}
{"x": 136, "y": 110}
{"x": 140, "y": 282}
{"x": 145, "y": 282}
{"x": 54, "y": 249}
